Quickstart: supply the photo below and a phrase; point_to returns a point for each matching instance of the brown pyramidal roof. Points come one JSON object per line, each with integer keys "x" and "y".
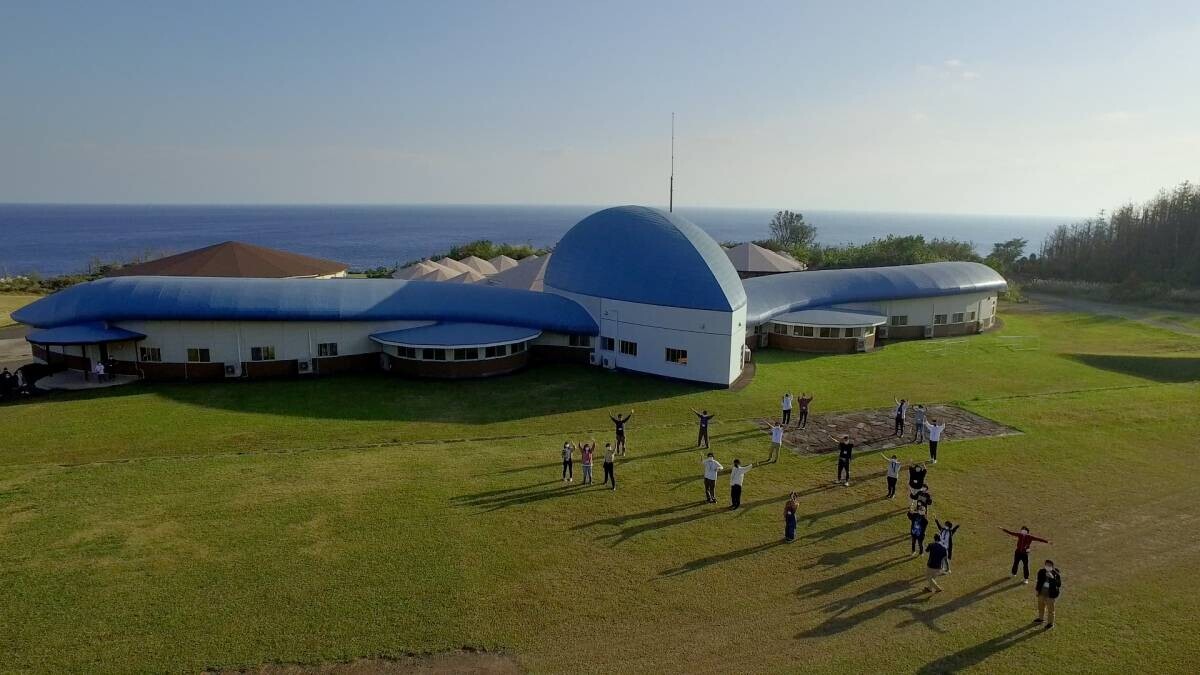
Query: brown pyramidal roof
{"x": 234, "y": 259}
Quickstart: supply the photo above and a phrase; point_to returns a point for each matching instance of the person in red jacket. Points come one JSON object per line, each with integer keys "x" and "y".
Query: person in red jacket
{"x": 1021, "y": 555}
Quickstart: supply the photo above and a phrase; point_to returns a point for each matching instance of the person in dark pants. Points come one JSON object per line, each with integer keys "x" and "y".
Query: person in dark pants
{"x": 946, "y": 536}
{"x": 918, "y": 522}
{"x": 1048, "y": 588}
{"x": 921, "y": 498}
{"x": 609, "y": 474}
{"x": 934, "y": 431}
{"x": 845, "y": 452}
{"x": 916, "y": 476}
{"x": 933, "y": 568}
{"x": 711, "y": 469}
{"x": 893, "y": 473}
{"x": 787, "y": 408}
{"x": 1021, "y": 555}
{"x": 901, "y": 408}
{"x": 789, "y": 517}
{"x": 803, "y": 403}
{"x": 619, "y": 422}
{"x": 568, "y": 452}
{"x": 702, "y": 438}
{"x": 736, "y": 476}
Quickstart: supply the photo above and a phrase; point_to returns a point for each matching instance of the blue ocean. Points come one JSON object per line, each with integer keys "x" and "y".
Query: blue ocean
{"x": 58, "y": 239}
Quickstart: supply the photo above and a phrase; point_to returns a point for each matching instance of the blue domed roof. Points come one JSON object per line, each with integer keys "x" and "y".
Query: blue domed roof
{"x": 647, "y": 256}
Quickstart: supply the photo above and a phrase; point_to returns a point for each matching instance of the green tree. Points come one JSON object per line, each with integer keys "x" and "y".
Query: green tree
{"x": 790, "y": 232}
{"x": 1004, "y": 255}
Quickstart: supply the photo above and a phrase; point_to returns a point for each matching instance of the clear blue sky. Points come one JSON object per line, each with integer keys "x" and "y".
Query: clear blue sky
{"x": 1060, "y": 109}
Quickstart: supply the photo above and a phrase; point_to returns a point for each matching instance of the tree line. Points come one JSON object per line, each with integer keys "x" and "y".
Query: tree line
{"x": 1156, "y": 242}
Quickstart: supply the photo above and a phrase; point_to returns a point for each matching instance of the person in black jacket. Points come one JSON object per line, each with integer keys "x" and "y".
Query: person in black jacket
{"x": 619, "y": 422}
{"x": 1048, "y": 588}
{"x": 918, "y": 523}
{"x": 916, "y": 476}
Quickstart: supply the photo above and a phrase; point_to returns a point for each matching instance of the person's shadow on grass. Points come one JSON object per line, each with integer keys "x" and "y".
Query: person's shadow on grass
{"x": 976, "y": 654}
{"x": 701, "y": 563}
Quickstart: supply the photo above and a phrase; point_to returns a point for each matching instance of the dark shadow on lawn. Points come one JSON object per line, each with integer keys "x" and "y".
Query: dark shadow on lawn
{"x": 709, "y": 510}
{"x": 541, "y": 390}
{"x": 520, "y": 496}
{"x": 839, "y": 623}
{"x": 845, "y": 528}
{"x": 929, "y": 616}
{"x": 620, "y": 460}
{"x": 825, "y": 586}
{"x": 976, "y": 654}
{"x": 1156, "y": 368}
{"x": 839, "y": 558}
{"x": 701, "y": 563}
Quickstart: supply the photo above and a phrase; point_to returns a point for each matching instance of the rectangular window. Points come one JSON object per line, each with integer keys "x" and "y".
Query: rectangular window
{"x": 433, "y": 354}
{"x": 939, "y": 319}
{"x": 326, "y": 349}
{"x": 901, "y": 320}
{"x": 495, "y": 352}
{"x": 853, "y": 332}
{"x": 466, "y": 354}
{"x": 829, "y": 332}
{"x": 198, "y": 355}
{"x": 807, "y": 331}
{"x": 518, "y": 347}
{"x": 406, "y": 352}
{"x": 957, "y": 318}
{"x": 262, "y": 353}
{"x": 152, "y": 354}
{"x": 781, "y": 329}
{"x": 580, "y": 340}
{"x": 628, "y": 348}
{"x": 970, "y": 316}
{"x": 868, "y": 332}
{"x": 796, "y": 330}
{"x": 607, "y": 344}
{"x": 677, "y": 356}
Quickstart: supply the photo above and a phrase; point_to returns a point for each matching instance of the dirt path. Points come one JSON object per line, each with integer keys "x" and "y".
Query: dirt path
{"x": 1151, "y": 316}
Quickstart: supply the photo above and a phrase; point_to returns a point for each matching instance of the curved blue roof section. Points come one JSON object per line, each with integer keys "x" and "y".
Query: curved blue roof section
{"x": 82, "y": 334}
{"x": 779, "y": 293}
{"x": 644, "y": 255}
{"x": 457, "y": 335}
{"x": 218, "y": 299}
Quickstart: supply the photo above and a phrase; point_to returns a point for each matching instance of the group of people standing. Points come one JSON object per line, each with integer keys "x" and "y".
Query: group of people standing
{"x": 11, "y": 384}
{"x": 939, "y": 552}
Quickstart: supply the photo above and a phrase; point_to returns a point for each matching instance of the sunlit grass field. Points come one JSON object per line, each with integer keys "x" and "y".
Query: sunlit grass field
{"x": 184, "y": 527}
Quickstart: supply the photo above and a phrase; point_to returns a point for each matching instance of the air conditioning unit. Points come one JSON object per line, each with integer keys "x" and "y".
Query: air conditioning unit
{"x": 233, "y": 369}
{"x": 305, "y": 366}
{"x": 385, "y": 362}
{"x": 928, "y": 331}
{"x": 860, "y": 344}
{"x": 594, "y": 359}
{"x": 609, "y": 363}
{"x": 881, "y": 332}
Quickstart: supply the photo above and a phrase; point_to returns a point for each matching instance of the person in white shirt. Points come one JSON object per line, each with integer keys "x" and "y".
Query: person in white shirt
{"x": 711, "y": 468}
{"x": 901, "y": 408}
{"x": 776, "y": 442}
{"x": 787, "y": 407}
{"x": 98, "y": 369}
{"x": 736, "y": 475}
{"x": 893, "y": 472}
{"x": 934, "y": 431}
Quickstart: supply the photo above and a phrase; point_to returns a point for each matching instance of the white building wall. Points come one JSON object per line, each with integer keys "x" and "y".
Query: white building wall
{"x": 231, "y": 341}
{"x": 920, "y": 311}
{"x": 713, "y": 340}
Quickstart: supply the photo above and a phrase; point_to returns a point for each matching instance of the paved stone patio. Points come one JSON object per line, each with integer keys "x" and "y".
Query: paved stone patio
{"x": 872, "y": 429}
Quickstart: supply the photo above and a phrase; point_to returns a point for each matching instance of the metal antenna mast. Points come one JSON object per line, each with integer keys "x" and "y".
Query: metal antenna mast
{"x": 671, "y": 196}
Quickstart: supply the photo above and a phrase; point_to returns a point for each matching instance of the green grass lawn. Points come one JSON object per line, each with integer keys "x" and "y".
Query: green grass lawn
{"x": 10, "y": 303}
{"x": 181, "y": 527}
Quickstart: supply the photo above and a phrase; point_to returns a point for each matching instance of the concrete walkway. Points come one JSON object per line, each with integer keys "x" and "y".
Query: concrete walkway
{"x": 1151, "y": 316}
{"x": 72, "y": 380}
